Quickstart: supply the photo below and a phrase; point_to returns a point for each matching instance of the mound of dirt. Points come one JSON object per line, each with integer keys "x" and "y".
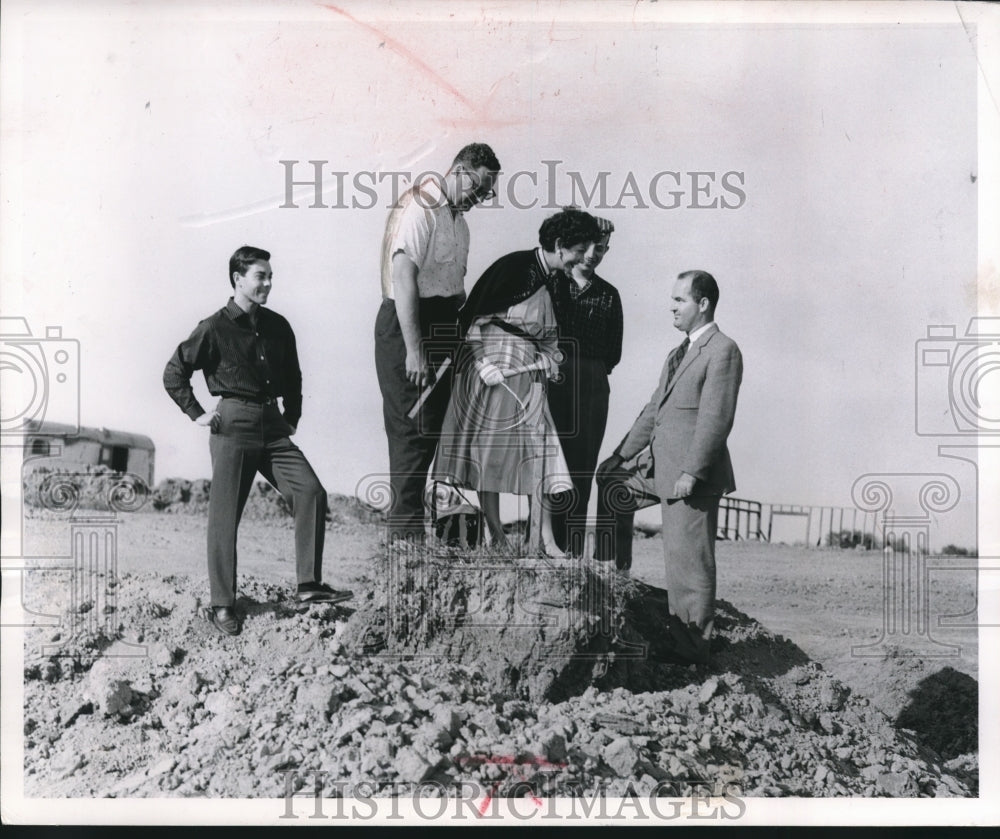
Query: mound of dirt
{"x": 179, "y": 496}
{"x": 141, "y": 697}
{"x": 541, "y": 630}
{"x": 97, "y": 487}
{"x": 89, "y": 487}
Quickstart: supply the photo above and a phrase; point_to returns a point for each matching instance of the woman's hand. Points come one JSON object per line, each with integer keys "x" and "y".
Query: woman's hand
{"x": 490, "y": 373}
{"x": 551, "y": 366}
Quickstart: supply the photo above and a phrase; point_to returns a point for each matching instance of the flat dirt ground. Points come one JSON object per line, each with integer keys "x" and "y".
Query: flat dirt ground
{"x": 829, "y": 602}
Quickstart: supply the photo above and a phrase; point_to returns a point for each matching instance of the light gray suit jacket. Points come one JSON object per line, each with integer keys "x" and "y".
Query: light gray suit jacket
{"x": 686, "y": 424}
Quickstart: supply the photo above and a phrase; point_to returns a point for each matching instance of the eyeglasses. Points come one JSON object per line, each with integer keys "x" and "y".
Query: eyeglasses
{"x": 477, "y": 188}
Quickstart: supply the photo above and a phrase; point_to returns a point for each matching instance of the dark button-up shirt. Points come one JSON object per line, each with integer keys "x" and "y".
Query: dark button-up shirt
{"x": 239, "y": 357}
{"x": 590, "y": 318}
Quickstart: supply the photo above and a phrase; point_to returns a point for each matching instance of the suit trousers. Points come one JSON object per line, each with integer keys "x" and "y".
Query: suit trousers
{"x": 619, "y": 495}
{"x": 412, "y": 442}
{"x": 253, "y": 438}
{"x": 579, "y": 407}
{"x": 689, "y": 526}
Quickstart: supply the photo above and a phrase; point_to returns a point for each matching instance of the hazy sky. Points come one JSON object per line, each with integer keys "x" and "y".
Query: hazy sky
{"x": 141, "y": 146}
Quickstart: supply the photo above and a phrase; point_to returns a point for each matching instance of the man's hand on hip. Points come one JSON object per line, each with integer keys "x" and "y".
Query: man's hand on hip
{"x": 209, "y": 418}
{"x": 684, "y": 486}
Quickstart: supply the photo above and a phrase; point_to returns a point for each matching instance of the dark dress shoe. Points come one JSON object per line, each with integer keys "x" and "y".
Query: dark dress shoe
{"x": 224, "y": 619}
{"x": 321, "y": 593}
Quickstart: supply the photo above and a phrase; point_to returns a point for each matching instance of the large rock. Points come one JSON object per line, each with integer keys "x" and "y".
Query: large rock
{"x": 318, "y": 696}
{"x": 413, "y": 766}
{"x": 171, "y": 491}
{"x": 111, "y": 696}
{"x": 622, "y": 756}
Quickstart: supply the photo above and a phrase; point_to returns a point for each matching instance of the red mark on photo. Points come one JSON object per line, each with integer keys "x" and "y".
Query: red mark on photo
{"x": 402, "y": 51}
{"x": 518, "y": 765}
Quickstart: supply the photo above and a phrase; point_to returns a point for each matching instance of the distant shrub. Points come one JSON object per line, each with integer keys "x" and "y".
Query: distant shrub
{"x": 900, "y": 546}
{"x": 955, "y": 550}
{"x": 848, "y": 539}
{"x": 646, "y": 531}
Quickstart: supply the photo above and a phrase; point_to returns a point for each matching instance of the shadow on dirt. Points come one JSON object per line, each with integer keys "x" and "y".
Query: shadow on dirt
{"x": 944, "y": 712}
{"x": 740, "y": 645}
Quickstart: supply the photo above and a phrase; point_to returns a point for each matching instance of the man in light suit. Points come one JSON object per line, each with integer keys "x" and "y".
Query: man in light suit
{"x": 685, "y": 425}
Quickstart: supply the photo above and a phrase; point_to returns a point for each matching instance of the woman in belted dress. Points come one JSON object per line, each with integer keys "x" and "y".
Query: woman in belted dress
{"x": 498, "y": 434}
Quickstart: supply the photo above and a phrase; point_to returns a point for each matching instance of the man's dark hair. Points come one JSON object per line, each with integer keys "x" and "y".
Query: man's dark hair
{"x": 571, "y": 227}
{"x": 243, "y": 258}
{"x": 703, "y": 284}
{"x": 475, "y": 155}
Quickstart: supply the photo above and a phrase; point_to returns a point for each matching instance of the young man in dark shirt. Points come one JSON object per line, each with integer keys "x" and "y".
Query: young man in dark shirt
{"x": 248, "y": 357}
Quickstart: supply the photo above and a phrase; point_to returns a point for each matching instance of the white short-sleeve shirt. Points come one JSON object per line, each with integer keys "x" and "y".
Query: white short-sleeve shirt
{"x": 423, "y": 227}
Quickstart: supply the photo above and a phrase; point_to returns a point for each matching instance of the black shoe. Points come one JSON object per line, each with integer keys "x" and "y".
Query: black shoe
{"x": 321, "y": 593}
{"x": 224, "y": 619}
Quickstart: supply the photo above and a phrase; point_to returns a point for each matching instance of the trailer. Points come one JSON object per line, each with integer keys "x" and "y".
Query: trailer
{"x": 54, "y": 446}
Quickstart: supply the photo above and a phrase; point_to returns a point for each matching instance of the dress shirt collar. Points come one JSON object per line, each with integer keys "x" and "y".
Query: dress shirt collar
{"x": 548, "y": 272}
{"x": 695, "y": 334}
{"x": 436, "y": 197}
{"x": 585, "y": 285}
{"x": 235, "y": 312}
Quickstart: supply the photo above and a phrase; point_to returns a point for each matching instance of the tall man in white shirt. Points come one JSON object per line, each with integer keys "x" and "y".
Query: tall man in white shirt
{"x": 424, "y": 254}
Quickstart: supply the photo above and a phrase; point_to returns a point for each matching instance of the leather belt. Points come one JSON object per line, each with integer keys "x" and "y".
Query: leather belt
{"x": 253, "y": 400}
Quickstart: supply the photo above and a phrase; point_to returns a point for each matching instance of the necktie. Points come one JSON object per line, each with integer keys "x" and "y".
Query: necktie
{"x": 675, "y": 360}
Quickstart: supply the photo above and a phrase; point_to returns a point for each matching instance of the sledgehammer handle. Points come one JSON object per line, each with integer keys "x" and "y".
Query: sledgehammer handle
{"x": 427, "y": 390}
{"x": 511, "y": 371}
{"x": 524, "y": 368}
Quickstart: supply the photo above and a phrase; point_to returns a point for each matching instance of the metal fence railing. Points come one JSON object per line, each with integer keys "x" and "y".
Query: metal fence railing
{"x": 813, "y": 525}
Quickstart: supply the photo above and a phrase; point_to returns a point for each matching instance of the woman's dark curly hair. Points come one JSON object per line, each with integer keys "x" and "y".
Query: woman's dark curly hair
{"x": 571, "y": 227}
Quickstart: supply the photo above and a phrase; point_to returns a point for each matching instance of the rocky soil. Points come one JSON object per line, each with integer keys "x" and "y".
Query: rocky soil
{"x": 135, "y": 695}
